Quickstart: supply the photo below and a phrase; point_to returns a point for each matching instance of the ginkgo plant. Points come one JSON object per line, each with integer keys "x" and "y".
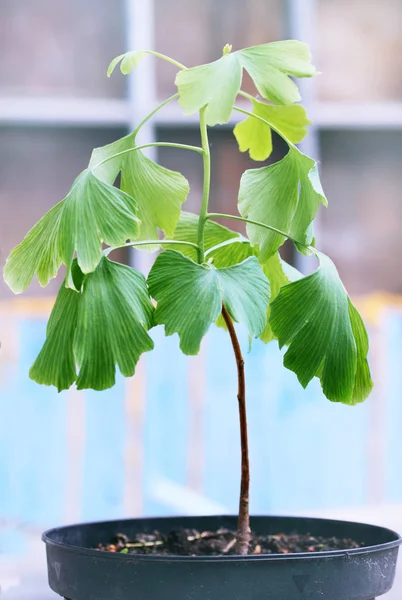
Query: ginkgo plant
{"x": 204, "y": 273}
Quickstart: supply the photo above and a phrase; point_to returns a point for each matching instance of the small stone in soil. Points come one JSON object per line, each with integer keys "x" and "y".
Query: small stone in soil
{"x": 190, "y": 542}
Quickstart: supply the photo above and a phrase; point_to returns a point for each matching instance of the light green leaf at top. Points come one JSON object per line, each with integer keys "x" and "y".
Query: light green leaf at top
{"x": 325, "y": 334}
{"x": 103, "y": 326}
{"x": 37, "y": 253}
{"x": 159, "y": 192}
{"x": 252, "y": 134}
{"x": 189, "y": 296}
{"x": 128, "y": 61}
{"x": 93, "y": 212}
{"x": 285, "y": 195}
{"x": 217, "y": 84}
{"x": 278, "y": 273}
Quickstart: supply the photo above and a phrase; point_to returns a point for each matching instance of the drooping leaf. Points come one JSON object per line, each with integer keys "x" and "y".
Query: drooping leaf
{"x": 103, "y": 325}
{"x": 278, "y": 273}
{"x": 93, "y": 212}
{"x": 285, "y": 195}
{"x": 217, "y": 84}
{"x": 159, "y": 192}
{"x": 252, "y": 134}
{"x": 56, "y": 363}
{"x": 325, "y": 334}
{"x": 128, "y": 61}
{"x": 38, "y": 252}
{"x": 114, "y": 316}
{"x": 189, "y": 296}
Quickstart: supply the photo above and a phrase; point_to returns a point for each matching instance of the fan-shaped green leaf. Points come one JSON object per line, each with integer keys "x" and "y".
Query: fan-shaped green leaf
{"x": 252, "y": 134}
{"x": 285, "y": 195}
{"x": 217, "y": 84}
{"x": 278, "y": 273}
{"x": 102, "y": 326}
{"x": 128, "y": 61}
{"x": 38, "y": 252}
{"x": 325, "y": 334}
{"x": 159, "y": 192}
{"x": 93, "y": 212}
{"x": 189, "y": 296}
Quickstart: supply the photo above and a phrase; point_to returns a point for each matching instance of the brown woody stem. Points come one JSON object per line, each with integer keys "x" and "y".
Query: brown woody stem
{"x": 243, "y": 527}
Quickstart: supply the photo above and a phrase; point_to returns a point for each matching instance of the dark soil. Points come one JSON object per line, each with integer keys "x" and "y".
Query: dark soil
{"x": 189, "y": 542}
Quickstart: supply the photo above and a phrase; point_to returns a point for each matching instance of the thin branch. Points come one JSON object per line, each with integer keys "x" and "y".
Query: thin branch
{"x": 107, "y": 251}
{"x": 150, "y": 145}
{"x": 243, "y": 527}
{"x": 259, "y": 224}
{"x": 167, "y": 58}
{"x": 153, "y": 112}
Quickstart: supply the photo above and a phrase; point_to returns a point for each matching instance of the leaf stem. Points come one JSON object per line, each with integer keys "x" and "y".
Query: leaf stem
{"x": 254, "y": 116}
{"x": 153, "y": 112}
{"x": 150, "y": 145}
{"x": 107, "y": 251}
{"x": 206, "y": 185}
{"x": 235, "y": 240}
{"x": 167, "y": 58}
{"x": 243, "y": 526}
{"x": 259, "y": 224}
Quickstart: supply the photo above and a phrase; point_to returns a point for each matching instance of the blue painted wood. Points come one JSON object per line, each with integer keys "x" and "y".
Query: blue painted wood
{"x": 166, "y": 420}
{"x": 297, "y": 438}
{"x": 392, "y": 325}
{"x": 103, "y": 480}
{"x": 33, "y": 443}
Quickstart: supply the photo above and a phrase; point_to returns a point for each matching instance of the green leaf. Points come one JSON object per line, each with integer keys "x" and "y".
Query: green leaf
{"x": 271, "y": 66}
{"x": 94, "y": 212}
{"x": 38, "y": 252}
{"x": 189, "y": 296}
{"x": 217, "y": 84}
{"x": 326, "y": 337}
{"x": 56, "y": 364}
{"x": 238, "y": 248}
{"x": 285, "y": 195}
{"x": 128, "y": 61}
{"x": 102, "y": 326}
{"x": 278, "y": 273}
{"x": 159, "y": 192}
{"x": 252, "y": 134}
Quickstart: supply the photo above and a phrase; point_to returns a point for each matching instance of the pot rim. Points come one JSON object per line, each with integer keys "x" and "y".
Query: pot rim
{"x": 95, "y": 553}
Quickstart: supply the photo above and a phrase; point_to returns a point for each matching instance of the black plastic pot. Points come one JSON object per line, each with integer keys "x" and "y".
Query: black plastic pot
{"x": 78, "y": 572}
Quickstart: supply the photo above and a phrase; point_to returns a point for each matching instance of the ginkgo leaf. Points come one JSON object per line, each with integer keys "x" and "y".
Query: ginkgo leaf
{"x": 235, "y": 247}
{"x": 93, "y": 212}
{"x": 159, "y": 192}
{"x": 102, "y": 326}
{"x": 252, "y": 134}
{"x": 128, "y": 61}
{"x": 189, "y": 296}
{"x": 216, "y": 85}
{"x": 285, "y": 195}
{"x": 326, "y": 337}
{"x": 278, "y": 273}
{"x": 37, "y": 253}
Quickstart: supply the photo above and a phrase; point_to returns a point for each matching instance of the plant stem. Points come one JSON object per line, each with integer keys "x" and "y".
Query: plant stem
{"x": 243, "y": 526}
{"x": 167, "y": 58}
{"x": 259, "y": 224}
{"x": 206, "y": 185}
{"x": 153, "y": 112}
{"x": 150, "y": 145}
{"x": 254, "y": 116}
{"x": 107, "y": 251}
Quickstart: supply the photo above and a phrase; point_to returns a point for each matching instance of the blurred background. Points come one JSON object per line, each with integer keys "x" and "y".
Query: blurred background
{"x": 167, "y": 442}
